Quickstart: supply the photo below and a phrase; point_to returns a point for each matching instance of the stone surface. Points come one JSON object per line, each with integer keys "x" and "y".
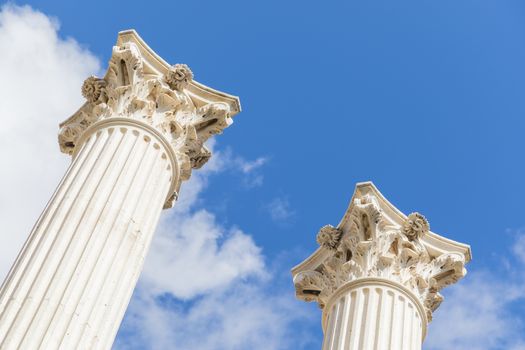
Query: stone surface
{"x": 140, "y": 86}
{"x": 378, "y": 267}
{"x": 137, "y": 137}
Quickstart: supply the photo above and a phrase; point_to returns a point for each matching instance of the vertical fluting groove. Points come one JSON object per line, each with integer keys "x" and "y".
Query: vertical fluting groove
{"x": 77, "y": 274}
{"x": 331, "y": 323}
{"x": 158, "y": 204}
{"x": 339, "y": 322}
{"x": 110, "y": 333}
{"x": 380, "y": 312}
{"x": 402, "y": 343}
{"x": 99, "y": 258}
{"x": 394, "y": 336}
{"x": 356, "y": 322}
{"x": 121, "y": 256}
{"x": 45, "y": 245}
{"x": 20, "y": 265}
{"x": 419, "y": 335}
{"x": 373, "y": 318}
{"x": 120, "y": 259}
{"x": 325, "y": 344}
{"x": 371, "y": 313}
{"x": 65, "y": 272}
{"x": 40, "y": 249}
{"x": 413, "y": 325}
{"x": 66, "y": 242}
{"x": 410, "y": 326}
{"x": 128, "y": 280}
{"x": 33, "y": 238}
{"x": 400, "y": 309}
{"x": 53, "y": 261}
{"x": 349, "y": 329}
{"x": 336, "y": 321}
{"x": 344, "y": 323}
{"x": 364, "y": 317}
{"x": 403, "y": 322}
{"x": 388, "y": 319}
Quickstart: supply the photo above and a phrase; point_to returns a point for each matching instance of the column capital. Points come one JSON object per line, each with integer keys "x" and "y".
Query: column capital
{"x": 375, "y": 240}
{"x": 140, "y": 85}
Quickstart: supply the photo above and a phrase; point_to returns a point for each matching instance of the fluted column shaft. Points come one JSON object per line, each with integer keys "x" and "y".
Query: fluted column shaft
{"x": 73, "y": 279}
{"x": 373, "y": 314}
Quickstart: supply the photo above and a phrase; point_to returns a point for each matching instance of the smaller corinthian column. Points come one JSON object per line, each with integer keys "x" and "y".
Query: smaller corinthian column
{"x": 377, "y": 275}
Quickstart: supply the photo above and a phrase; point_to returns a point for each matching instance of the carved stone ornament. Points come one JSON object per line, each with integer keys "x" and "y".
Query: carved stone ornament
{"x": 140, "y": 85}
{"x": 93, "y": 88}
{"x": 329, "y": 237}
{"x": 375, "y": 240}
{"x": 179, "y": 77}
{"x": 415, "y": 226}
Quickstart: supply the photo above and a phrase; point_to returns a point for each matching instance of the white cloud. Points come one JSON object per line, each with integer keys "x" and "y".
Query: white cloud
{"x": 231, "y": 300}
{"x": 250, "y": 169}
{"x": 280, "y": 209}
{"x": 41, "y": 75}
{"x": 249, "y": 166}
{"x": 241, "y": 317}
{"x": 519, "y": 246}
{"x": 479, "y": 312}
{"x": 192, "y": 254}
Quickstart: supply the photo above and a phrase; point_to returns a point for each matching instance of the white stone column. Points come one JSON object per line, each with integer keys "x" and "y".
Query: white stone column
{"x": 372, "y": 313}
{"x": 132, "y": 143}
{"x": 377, "y": 275}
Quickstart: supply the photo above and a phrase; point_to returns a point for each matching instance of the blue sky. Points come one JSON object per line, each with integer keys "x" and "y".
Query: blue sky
{"x": 424, "y": 98}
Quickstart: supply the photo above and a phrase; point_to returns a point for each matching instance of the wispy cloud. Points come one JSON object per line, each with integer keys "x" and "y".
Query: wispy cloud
{"x": 249, "y": 169}
{"x": 519, "y": 246}
{"x": 236, "y": 318}
{"x": 249, "y": 166}
{"x": 280, "y": 210}
{"x": 207, "y": 287}
{"x": 481, "y": 312}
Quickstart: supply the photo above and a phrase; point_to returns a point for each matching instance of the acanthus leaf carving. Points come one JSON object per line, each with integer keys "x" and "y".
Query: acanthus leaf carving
{"x": 372, "y": 247}
{"x": 68, "y": 136}
{"x": 160, "y": 100}
{"x": 312, "y": 286}
{"x": 365, "y": 217}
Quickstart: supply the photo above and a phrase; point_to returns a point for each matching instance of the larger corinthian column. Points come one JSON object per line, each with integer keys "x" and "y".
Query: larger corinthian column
{"x": 377, "y": 275}
{"x": 138, "y": 136}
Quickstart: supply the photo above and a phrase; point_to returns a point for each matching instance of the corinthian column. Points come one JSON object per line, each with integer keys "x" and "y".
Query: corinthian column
{"x": 377, "y": 275}
{"x": 137, "y": 137}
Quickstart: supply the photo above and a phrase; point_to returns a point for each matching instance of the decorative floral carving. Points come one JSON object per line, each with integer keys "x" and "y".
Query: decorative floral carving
{"x": 179, "y": 77}
{"x": 365, "y": 217}
{"x": 372, "y": 247}
{"x": 211, "y": 119}
{"x": 329, "y": 237}
{"x": 129, "y": 90}
{"x": 92, "y": 88}
{"x": 125, "y": 66}
{"x": 68, "y": 136}
{"x": 415, "y": 226}
{"x": 310, "y": 284}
